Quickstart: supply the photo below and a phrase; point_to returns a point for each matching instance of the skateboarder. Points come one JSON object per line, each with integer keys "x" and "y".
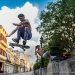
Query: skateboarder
{"x": 23, "y": 30}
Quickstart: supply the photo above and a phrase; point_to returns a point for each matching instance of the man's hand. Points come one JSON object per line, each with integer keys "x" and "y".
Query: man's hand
{"x": 15, "y": 24}
{"x": 8, "y": 36}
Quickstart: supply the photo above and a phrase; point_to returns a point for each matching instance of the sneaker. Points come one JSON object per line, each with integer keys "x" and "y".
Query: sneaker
{"x": 15, "y": 40}
{"x": 24, "y": 42}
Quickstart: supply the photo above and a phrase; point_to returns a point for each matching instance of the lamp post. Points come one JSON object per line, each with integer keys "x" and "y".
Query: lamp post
{"x": 36, "y": 55}
{"x": 42, "y": 63}
{"x": 24, "y": 66}
{"x": 41, "y": 41}
{"x": 37, "y": 58}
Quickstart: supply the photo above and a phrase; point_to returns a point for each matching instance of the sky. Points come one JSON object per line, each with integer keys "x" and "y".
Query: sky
{"x": 19, "y": 3}
{"x": 9, "y": 9}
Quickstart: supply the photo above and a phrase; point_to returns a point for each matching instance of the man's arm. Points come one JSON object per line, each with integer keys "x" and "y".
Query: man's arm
{"x": 15, "y": 24}
{"x": 21, "y": 23}
{"x": 13, "y": 32}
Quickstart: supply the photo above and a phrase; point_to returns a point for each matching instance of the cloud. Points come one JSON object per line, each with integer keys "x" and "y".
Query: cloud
{"x": 9, "y": 16}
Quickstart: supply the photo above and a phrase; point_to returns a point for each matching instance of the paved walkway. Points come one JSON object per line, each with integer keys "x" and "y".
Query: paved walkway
{"x": 26, "y": 73}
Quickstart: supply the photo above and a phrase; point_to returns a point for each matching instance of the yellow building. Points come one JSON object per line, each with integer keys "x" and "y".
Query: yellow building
{"x": 10, "y": 55}
{"x": 9, "y": 59}
{"x": 3, "y": 46}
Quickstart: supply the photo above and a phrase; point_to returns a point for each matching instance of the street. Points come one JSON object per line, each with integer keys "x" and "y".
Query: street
{"x": 26, "y": 73}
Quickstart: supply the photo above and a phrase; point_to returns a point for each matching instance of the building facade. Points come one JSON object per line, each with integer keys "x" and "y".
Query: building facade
{"x": 6, "y": 54}
{"x": 9, "y": 65}
{"x": 11, "y": 61}
{"x": 17, "y": 61}
{"x": 3, "y": 48}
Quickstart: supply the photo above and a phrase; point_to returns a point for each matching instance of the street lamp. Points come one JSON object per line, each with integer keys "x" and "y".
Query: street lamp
{"x": 42, "y": 63}
{"x": 36, "y": 53}
{"x": 41, "y": 41}
{"x": 36, "y": 56}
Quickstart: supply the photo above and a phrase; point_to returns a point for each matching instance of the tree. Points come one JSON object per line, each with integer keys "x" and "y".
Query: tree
{"x": 58, "y": 24}
{"x": 37, "y": 65}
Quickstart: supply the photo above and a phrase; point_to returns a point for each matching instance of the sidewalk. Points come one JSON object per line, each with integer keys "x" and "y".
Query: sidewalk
{"x": 25, "y": 73}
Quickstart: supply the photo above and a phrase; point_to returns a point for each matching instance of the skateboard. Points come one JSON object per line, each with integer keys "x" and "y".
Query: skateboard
{"x": 19, "y": 45}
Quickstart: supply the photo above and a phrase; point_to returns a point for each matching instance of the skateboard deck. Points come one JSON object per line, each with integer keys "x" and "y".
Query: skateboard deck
{"x": 19, "y": 45}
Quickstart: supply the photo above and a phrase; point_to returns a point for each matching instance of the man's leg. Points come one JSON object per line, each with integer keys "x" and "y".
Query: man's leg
{"x": 16, "y": 40}
{"x": 27, "y": 35}
{"x": 24, "y": 36}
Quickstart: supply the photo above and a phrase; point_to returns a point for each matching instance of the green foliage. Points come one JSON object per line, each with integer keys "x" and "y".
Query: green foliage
{"x": 36, "y": 65}
{"x": 58, "y": 24}
{"x": 45, "y": 62}
{"x": 40, "y": 63}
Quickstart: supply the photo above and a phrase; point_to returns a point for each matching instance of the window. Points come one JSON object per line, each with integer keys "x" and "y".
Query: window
{"x": 4, "y": 53}
{"x": 0, "y": 51}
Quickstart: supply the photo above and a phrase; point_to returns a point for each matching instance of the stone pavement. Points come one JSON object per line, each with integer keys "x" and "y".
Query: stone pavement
{"x": 26, "y": 73}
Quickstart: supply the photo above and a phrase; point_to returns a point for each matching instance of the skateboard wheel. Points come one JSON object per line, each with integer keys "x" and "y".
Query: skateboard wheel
{"x": 12, "y": 47}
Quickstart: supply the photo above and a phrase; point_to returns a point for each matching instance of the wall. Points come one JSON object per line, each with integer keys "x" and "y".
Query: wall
{"x": 66, "y": 67}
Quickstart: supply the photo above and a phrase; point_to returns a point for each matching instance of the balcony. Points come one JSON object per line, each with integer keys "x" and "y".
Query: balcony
{"x": 3, "y": 57}
{"x": 3, "y": 43}
{"x": 2, "y": 47}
